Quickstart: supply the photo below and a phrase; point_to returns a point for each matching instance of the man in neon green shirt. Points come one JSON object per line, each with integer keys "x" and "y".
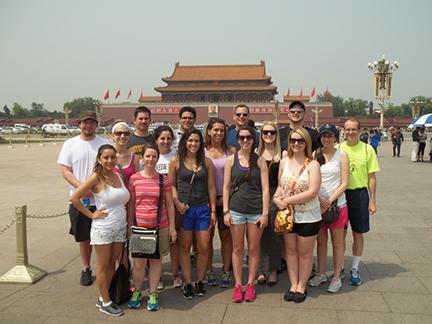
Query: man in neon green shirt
{"x": 360, "y": 194}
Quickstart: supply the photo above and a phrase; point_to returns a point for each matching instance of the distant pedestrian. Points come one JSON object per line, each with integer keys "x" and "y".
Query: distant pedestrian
{"x": 375, "y": 139}
{"x": 415, "y": 145}
{"x": 364, "y": 136}
{"x": 397, "y": 139}
{"x": 422, "y": 137}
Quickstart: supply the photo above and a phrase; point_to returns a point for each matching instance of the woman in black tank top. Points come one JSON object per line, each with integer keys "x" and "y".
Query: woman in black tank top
{"x": 271, "y": 244}
{"x": 193, "y": 185}
{"x": 246, "y": 204}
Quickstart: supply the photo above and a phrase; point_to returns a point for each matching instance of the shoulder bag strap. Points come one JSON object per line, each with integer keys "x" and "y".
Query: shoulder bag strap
{"x": 159, "y": 211}
{"x": 305, "y": 164}
{"x": 123, "y": 175}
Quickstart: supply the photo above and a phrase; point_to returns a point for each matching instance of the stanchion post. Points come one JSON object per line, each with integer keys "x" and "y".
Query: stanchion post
{"x": 27, "y": 139}
{"x": 23, "y": 272}
{"x": 42, "y": 139}
{"x": 10, "y": 141}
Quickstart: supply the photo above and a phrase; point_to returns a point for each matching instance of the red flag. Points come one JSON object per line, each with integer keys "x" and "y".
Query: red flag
{"x": 288, "y": 93}
{"x": 117, "y": 94}
{"x": 130, "y": 93}
{"x": 301, "y": 92}
{"x": 106, "y": 95}
{"x": 139, "y": 99}
{"x": 313, "y": 92}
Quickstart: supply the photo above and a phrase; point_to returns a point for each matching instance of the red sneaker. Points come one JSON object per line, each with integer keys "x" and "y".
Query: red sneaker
{"x": 237, "y": 296}
{"x": 250, "y": 293}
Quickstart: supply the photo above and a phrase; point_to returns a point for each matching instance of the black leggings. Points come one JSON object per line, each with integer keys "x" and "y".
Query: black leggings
{"x": 421, "y": 149}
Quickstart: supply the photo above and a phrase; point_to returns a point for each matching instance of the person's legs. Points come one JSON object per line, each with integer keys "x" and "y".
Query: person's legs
{"x": 398, "y": 148}
{"x": 226, "y": 249}
{"x": 322, "y": 250}
{"x": 210, "y": 252}
{"x": 305, "y": 247}
{"x": 203, "y": 247}
{"x": 85, "y": 253}
{"x": 116, "y": 250}
{"x": 253, "y": 238}
{"x": 237, "y": 234}
{"x": 175, "y": 258}
{"x": 292, "y": 259}
{"x": 358, "y": 244}
{"x": 394, "y": 149}
{"x": 155, "y": 271}
{"x": 138, "y": 272}
{"x": 104, "y": 258}
{"x": 185, "y": 243}
{"x": 338, "y": 237}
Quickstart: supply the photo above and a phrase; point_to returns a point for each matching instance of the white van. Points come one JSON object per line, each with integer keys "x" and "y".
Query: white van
{"x": 55, "y": 129}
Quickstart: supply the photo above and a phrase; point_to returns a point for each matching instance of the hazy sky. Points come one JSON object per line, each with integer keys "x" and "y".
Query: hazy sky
{"x": 52, "y": 51}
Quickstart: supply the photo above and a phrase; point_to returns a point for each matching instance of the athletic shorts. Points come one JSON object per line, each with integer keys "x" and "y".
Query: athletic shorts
{"x": 341, "y": 222}
{"x": 80, "y": 224}
{"x": 358, "y": 209}
{"x": 306, "y": 229}
{"x": 240, "y": 218}
{"x": 164, "y": 241}
{"x": 108, "y": 235}
{"x": 196, "y": 218}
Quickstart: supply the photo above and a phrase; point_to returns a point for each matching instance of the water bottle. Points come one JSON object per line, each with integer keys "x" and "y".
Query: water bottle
{"x": 86, "y": 202}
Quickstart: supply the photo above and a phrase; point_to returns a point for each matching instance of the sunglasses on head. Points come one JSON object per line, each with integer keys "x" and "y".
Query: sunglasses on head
{"x": 242, "y": 138}
{"x": 241, "y": 114}
{"x": 120, "y": 133}
{"x": 269, "y": 132}
{"x": 299, "y": 141}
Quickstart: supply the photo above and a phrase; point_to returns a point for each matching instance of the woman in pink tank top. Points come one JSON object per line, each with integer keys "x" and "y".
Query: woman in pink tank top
{"x": 127, "y": 162}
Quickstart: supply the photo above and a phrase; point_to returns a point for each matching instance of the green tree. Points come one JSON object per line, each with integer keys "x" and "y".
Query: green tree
{"x": 20, "y": 111}
{"x": 7, "y": 111}
{"x": 80, "y": 104}
{"x": 38, "y": 110}
{"x": 337, "y": 101}
{"x": 356, "y": 107}
{"x": 393, "y": 110}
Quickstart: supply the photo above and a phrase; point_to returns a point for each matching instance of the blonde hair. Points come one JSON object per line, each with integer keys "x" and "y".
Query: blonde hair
{"x": 261, "y": 145}
{"x": 305, "y": 135}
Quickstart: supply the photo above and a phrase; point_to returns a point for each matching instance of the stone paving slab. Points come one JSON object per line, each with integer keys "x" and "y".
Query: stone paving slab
{"x": 395, "y": 268}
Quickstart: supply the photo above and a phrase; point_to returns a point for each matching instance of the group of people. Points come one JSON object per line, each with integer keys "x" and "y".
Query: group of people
{"x": 233, "y": 178}
{"x": 419, "y": 139}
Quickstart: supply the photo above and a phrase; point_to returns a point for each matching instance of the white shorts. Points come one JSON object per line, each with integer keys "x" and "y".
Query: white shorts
{"x": 99, "y": 236}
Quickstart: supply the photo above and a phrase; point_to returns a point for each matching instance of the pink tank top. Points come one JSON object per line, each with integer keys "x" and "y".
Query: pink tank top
{"x": 219, "y": 166}
{"x": 129, "y": 169}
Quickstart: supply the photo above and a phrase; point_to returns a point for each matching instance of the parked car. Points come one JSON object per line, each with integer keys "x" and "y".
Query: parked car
{"x": 56, "y": 129}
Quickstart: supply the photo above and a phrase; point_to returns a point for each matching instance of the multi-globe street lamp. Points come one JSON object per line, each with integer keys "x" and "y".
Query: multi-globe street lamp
{"x": 415, "y": 107}
{"x": 383, "y": 71}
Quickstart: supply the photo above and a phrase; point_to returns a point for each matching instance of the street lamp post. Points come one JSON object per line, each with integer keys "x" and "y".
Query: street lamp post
{"x": 317, "y": 111}
{"x": 276, "y": 110}
{"x": 415, "y": 107}
{"x": 383, "y": 71}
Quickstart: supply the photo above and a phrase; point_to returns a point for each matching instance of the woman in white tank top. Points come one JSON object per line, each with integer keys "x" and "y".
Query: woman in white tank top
{"x": 334, "y": 181}
{"x": 108, "y": 232}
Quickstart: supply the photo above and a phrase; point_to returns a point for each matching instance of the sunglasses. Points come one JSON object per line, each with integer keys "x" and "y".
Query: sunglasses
{"x": 293, "y": 111}
{"x": 269, "y": 132}
{"x": 187, "y": 118}
{"x": 120, "y": 133}
{"x": 299, "y": 141}
{"x": 243, "y": 138}
{"x": 241, "y": 114}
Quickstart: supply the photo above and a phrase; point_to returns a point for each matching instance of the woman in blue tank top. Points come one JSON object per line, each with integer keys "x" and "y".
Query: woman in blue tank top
{"x": 246, "y": 204}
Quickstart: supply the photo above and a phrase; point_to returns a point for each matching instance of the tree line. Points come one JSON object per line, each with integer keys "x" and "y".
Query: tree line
{"x": 341, "y": 107}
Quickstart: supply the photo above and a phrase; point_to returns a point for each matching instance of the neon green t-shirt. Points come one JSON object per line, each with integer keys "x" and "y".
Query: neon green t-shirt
{"x": 362, "y": 160}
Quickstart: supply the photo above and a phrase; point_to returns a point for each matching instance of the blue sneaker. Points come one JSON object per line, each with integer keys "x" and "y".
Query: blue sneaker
{"x": 355, "y": 278}
{"x": 135, "y": 301}
{"x": 211, "y": 278}
{"x": 226, "y": 280}
{"x": 153, "y": 302}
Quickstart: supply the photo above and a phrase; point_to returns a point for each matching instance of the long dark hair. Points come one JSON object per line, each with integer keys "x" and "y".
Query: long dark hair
{"x": 253, "y": 157}
{"x": 208, "y": 139}
{"x": 98, "y": 169}
{"x": 182, "y": 150}
{"x": 163, "y": 128}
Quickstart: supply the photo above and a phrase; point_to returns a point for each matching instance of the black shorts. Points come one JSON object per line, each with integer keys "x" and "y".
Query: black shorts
{"x": 306, "y": 229}
{"x": 358, "y": 209}
{"x": 220, "y": 219}
{"x": 80, "y": 224}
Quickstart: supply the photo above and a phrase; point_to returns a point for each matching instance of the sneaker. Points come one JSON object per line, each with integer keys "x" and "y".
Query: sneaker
{"x": 153, "y": 302}
{"x": 112, "y": 309}
{"x": 86, "y": 277}
{"x": 99, "y": 302}
{"x": 177, "y": 281}
{"x": 199, "y": 288}
{"x": 317, "y": 280}
{"x": 250, "y": 293}
{"x": 342, "y": 275}
{"x": 355, "y": 278}
{"x": 211, "y": 278}
{"x": 335, "y": 285}
{"x": 160, "y": 285}
{"x": 237, "y": 296}
{"x": 135, "y": 301}
{"x": 313, "y": 272}
{"x": 188, "y": 291}
{"x": 226, "y": 280}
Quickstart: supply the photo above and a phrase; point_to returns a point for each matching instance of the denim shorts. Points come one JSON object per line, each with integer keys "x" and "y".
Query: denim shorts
{"x": 239, "y": 218}
{"x": 196, "y": 218}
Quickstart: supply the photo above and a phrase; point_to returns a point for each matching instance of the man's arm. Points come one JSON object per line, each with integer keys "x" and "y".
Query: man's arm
{"x": 69, "y": 176}
{"x": 372, "y": 191}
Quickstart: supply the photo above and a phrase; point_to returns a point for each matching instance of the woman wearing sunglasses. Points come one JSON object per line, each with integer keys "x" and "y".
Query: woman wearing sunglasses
{"x": 299, "y": 184}
{"x": 127, "y": 163}
{"x": 246, "y": 205}
{"x": 269, "y": 149}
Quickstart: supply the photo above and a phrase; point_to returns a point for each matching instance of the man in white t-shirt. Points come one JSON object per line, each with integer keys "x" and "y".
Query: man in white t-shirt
{"x": 77, "y": 159}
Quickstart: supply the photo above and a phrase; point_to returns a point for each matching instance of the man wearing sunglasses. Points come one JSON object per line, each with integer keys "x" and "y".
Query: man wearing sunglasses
{"x": 77, "y": 159}
{"x": 241, "y": 118}
{"x": 141, "y": 135}
{"x": 296, "y": 114}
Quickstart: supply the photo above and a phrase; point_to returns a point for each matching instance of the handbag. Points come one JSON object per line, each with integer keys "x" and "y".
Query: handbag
{"x": 144, "y": 242}
{"x": 119, "y": 287}
{"x": 331, "y": 215}
{"x": 284, "y": 221}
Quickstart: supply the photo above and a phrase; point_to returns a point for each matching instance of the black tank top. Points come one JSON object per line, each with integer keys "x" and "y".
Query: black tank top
{"x": 273, "y": 176}
{"x": 198, "y": 196}
{"x": 248, "y": 198}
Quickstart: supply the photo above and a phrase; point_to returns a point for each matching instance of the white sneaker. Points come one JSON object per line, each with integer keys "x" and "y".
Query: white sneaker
{"x": 335, "y": 285}
{"x": 160, "y": 285}
{"x": 317, "y": 280}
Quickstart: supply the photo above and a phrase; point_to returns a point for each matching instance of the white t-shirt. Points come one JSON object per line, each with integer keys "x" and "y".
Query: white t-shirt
{"x": 163, "y": 162}
{"x": 80, "y": 155}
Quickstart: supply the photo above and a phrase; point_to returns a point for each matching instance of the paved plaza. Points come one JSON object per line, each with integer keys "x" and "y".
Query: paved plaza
{"x": 396, "y": 267}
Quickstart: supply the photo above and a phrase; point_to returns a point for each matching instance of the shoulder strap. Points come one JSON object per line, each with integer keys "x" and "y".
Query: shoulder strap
{"x": 305, "y": 164}
{"x": 159, "y": 212}
{"x": 123, "y": 174}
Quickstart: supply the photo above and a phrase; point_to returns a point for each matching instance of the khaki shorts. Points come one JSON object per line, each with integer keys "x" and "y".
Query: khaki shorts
{"x": 164, "y": 241}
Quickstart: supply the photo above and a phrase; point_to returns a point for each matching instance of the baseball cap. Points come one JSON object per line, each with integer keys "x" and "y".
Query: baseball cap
{"x": 328, "y": 128}
{"x": 84, "y": 115}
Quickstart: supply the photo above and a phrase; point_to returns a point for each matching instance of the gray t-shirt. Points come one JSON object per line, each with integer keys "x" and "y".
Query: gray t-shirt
{"x": 136, "y": 143}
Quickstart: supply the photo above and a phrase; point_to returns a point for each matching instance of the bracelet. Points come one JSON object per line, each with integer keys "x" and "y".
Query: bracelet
{"x": 226, "y": 212}
{"x": 213, "y": 212}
